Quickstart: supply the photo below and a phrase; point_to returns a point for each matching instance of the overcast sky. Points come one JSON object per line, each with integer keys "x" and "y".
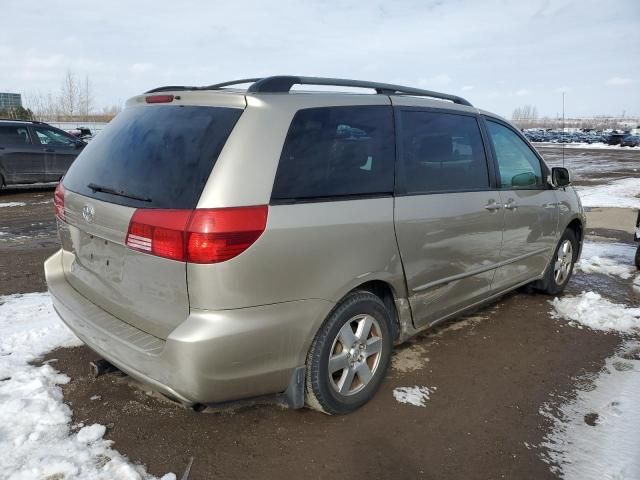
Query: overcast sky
{"x": 498, "y": 54}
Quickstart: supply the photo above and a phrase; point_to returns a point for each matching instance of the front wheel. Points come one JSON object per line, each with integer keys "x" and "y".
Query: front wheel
{"x": 349, "y": 356}
{"x": 560, "y": 268}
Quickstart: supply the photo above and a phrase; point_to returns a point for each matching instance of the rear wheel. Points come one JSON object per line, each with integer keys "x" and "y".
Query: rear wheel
{"x": 638, "y": 257}
{"x": 560, "y": 268}
{"x": 349, "y": 356}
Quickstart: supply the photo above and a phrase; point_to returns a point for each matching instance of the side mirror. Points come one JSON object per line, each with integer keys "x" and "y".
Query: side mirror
{"x": 560, "y": 177}
{"x": 526, "y": 179}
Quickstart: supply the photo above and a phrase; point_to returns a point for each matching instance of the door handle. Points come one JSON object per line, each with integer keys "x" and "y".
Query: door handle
{"x": 49, "y": 150}
{"x": 511, "y": 205}
{"x": 492, "y": 206}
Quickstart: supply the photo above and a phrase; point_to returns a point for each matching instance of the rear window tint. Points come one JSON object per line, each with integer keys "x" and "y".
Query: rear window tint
{"x": 163, "y": 154}
{"x": 14, "y": 135}
{"x": 441, "y": 152}
{"x": 337, "y": 151}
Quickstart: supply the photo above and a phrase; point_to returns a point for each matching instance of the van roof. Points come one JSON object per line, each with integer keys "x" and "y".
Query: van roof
{"x": 283, "y": 84}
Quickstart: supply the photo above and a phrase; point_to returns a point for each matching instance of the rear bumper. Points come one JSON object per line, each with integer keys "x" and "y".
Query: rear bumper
{"x": 212, "y": 357}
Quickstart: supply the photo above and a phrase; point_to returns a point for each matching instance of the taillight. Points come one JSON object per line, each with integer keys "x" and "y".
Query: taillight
{"x": 58, "y": 201}
{"x": 216, "y": 235}
{"x": 159, "y": 232}
{"x": 196, "y": 236}
{"x": 159, "y": 99}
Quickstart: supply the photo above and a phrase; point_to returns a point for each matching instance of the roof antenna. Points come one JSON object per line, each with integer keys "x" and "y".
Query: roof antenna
{"x": 563, "y": 132}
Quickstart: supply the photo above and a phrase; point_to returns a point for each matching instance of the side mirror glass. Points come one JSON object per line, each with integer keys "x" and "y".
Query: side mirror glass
{"x": 560, "y": 177}
{"x": 526, "y": 179}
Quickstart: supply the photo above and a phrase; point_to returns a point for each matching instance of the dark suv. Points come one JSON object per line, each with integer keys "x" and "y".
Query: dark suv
{"x": 32, "y": 152}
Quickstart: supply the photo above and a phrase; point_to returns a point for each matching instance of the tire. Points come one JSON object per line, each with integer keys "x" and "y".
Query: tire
{"x": 357, "y": 335}
{"x": 638, "y": 258}
{"x": 560, "y": 268}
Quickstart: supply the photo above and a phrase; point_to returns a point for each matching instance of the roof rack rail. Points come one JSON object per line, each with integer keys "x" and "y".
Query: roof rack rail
{"x": 217, "y": 86}
{"x": 21, "y": 120}
{"x": 232, "y": 82}
{"x": 283, "y": 84}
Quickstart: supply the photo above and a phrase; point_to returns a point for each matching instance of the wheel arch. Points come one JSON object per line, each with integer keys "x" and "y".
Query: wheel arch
{"x": 577, "y": 226}
{"x": 385, "y": 292}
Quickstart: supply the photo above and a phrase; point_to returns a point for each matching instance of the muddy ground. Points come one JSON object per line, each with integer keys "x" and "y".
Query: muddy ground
{"x": 492, "y": 371}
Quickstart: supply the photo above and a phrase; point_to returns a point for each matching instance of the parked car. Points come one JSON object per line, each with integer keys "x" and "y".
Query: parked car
{"x": 32, "y": 152}
{"x": 222, "y": 244}
{"x": 616, "y": 138}
{"x": 630, "y": 141}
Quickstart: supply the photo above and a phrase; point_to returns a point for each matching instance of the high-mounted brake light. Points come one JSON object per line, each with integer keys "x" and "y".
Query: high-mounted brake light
{"x": 196, "y": 236}
{"x": 159, "y": 99}
{"x": 58, "y": 201}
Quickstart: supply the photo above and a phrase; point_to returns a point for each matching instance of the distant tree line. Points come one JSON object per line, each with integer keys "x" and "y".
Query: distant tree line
{"x": 526, "y": 116}
{"x": 16, "y": 113}
{"x": 74, "y": 101}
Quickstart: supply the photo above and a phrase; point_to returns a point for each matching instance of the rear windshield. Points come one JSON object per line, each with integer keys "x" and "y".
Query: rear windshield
{"x": 154, "y": 156}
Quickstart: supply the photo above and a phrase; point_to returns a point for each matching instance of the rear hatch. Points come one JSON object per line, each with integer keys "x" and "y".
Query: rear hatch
{"x": 150, "y": 159}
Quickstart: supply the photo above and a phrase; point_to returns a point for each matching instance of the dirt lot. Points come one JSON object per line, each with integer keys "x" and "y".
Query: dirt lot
{"x": 492, "y": 371}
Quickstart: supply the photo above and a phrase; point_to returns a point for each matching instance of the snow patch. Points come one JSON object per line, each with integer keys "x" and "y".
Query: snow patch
{"x": 12, "y": 204}
{"x": 613, "y": 259}
{"x": 623, "y": 193}
{"x": 594, "y": 146}
{"x": 36, "y": 436}
{"x": 91, "y": 434}
{"x": 595, "y": 436}
{"x": 417, "y": 396}
{"x": 589, "y": 309}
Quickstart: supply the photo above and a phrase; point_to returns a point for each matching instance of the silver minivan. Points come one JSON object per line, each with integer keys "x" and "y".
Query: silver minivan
{"x": 222, "y": 244}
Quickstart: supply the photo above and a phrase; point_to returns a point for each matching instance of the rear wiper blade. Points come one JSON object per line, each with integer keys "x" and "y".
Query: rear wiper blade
{"x": 121, "y": 193}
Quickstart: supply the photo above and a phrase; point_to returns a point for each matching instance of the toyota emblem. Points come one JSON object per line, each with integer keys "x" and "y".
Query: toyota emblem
{"x": 88, "y": 212}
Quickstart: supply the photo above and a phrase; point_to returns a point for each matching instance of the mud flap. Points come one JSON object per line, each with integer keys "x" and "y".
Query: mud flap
{"x": 294, "y": 394}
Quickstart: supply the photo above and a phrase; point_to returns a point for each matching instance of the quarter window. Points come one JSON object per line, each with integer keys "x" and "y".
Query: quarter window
{"x": 337, "y": 151}
{"x": 441, "y": 152}
{"x": 518, "y": 166}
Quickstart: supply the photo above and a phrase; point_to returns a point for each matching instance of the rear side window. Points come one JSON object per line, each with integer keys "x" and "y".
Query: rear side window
{"x": 14, "y": 135}
{"x": 153, "y": 157}
{"x": 337, "y": 151}
{"x": 440, "y": 152}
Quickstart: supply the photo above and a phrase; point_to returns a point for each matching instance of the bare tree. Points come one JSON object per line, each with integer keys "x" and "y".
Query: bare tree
{"x": 525, "y": 116}
{"x": 112, "y": 110}
{"x": 45, "y": 106}
{"x": 69, "y": 95}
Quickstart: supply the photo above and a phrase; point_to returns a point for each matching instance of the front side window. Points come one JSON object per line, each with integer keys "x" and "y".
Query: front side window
{"x": 518, "y": 166}
{"x": 14, "y": 135}
{"x": 337, "y": 151}
{"x": 47, "y": 136}
{"x": 441, "y": 152}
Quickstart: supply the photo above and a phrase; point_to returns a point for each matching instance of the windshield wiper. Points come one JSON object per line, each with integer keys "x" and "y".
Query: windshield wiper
{"x": 100, "y": 188}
